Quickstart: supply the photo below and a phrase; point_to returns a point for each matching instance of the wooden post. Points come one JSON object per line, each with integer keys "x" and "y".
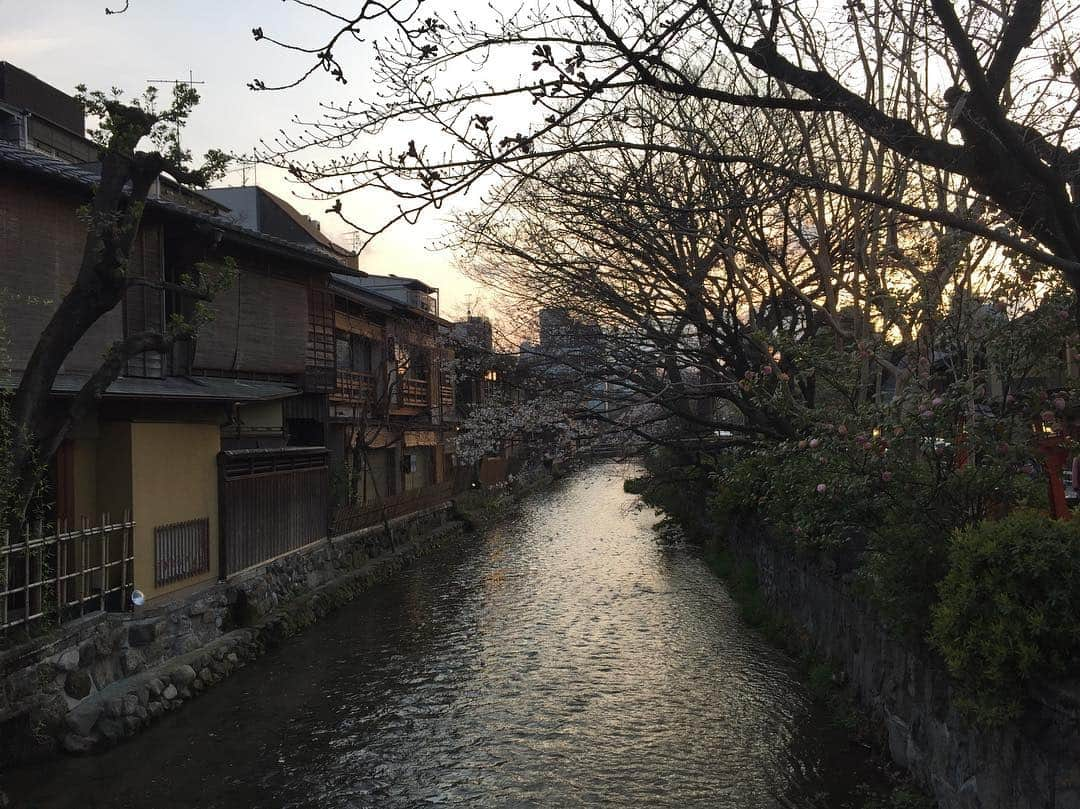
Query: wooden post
{"x": 124, "y": 602}
{"x": 59, "y": 563}
{"x": 223, "y": 521}
{"x": 26, "y": 581}
{"x": 104, "y": 553}
{"x": 1054, "y": 457}
{"x": 5, "y": 582}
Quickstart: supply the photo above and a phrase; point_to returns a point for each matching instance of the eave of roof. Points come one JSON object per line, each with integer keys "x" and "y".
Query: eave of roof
{"x": 174, "y": 388}
{"x": 395, "y": 280}
{"x": 47, "y": 167}
{"x": 345, "y": 284}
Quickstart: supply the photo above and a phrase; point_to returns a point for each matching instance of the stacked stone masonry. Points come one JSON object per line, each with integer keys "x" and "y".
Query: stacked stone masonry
{"x": 1032, "y": 763}
{"x": 107, "y": 676}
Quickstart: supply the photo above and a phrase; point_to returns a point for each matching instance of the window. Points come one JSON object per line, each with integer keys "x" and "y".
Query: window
{"x": 361, "y": 353}
{"x": 342, "y": 351}
{"x": 419, "y": 366}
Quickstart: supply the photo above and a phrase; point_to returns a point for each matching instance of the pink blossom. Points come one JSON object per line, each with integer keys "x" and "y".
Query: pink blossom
{"x": 814, "y": 443}
{"x": 1063, "y": 314}
{"x": 767, "y": 370}
{"x": 841, "y": 430}
{"x": 886, "y": 476}
{"x": 1010, "y": 399}
{"x": 1047, "y": 416}
{"x": 927, "y": 414}
{"x": 1059, "y": 403}
{"x": 937, "y": 401}
{"x": 821, "y": 488}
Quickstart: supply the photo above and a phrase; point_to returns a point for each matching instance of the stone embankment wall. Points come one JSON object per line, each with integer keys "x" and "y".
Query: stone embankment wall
{"x": 1032, "y": 763}
{"x": 107, "y": 676}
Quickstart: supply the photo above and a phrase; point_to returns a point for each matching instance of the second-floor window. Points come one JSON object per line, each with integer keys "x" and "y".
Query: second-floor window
{"x": 419, "y": 364}
{"x": 412, "y": 362}
{"x": 353, "y": 352}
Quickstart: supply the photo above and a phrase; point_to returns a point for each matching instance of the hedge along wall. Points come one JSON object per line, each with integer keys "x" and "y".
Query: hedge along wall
{"x": 1030, "y": 763}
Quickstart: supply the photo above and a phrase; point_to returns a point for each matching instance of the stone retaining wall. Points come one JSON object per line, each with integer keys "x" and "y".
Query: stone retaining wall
{"x": 1033, "y": 763}
{"x": 106, "y": 676}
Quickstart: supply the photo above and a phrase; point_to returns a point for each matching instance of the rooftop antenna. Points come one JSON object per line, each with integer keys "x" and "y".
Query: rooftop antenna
{"x": 189, "y": 81}
{"x": 253, "y": 167}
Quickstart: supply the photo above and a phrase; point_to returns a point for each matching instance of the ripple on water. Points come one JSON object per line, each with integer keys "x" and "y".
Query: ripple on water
{"x": 565, "y": 659}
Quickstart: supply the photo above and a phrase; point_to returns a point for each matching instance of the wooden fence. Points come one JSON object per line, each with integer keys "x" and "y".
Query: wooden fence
{"x": 272, "y": 501}
{"x": 50, "y": 578}
{"x": 355, "y": 516}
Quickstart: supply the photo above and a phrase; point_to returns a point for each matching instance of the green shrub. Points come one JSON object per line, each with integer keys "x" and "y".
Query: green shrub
{"x": 900, "y": 571}
{"x": 1009, "y": 609}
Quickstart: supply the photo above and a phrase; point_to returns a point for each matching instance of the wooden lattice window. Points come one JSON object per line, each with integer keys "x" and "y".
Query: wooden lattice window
{"x": 320, "y": 329}
{"x": 181, "y": 550}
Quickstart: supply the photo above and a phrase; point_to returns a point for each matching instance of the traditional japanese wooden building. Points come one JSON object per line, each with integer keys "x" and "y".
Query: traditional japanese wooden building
{"x": 312, "y": 392}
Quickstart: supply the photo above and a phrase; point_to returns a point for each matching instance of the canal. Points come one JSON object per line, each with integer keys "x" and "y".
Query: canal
{"x": 567, "y": 658}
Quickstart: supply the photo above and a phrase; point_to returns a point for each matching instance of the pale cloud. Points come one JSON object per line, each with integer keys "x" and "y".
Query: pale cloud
{"x": 22, "y": 49}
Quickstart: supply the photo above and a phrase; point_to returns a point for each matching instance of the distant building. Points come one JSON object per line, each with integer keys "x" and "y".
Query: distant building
{"x": 561, "y": 332}
{"x": 35, "y": 115}
{"x": 474, "y": 331}
{"x": 255, "y": 208}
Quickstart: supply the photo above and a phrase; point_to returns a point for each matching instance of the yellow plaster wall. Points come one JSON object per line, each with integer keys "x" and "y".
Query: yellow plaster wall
{"x": 174, "y": 478}
{"x": 113, "y": 469}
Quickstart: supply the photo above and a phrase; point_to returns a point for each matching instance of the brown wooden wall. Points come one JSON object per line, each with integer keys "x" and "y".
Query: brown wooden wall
{"x": 41, "y": 244}
{"x": 272, "y": 502}
{"x": 260, "y": 325}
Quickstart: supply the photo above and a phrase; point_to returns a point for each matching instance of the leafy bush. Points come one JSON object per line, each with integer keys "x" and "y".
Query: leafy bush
{"x": 900, "y": 573}
{"x": 1009, "y": 609}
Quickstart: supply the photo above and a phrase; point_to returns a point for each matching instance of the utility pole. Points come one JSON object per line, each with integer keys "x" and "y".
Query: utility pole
{"x": 190, "y": 82}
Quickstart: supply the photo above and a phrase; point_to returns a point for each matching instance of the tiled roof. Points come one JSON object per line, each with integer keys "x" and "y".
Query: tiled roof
{"x": 208, "y": 389}
{"x": 43, "y": 165}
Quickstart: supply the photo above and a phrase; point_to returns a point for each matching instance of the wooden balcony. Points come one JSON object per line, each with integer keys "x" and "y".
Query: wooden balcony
{"x": 446, "y": 392}
{"x": 354, "y": 386}
{"x": 414, "y": 393}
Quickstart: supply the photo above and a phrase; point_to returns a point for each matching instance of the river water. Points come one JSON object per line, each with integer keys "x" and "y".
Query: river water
{"x": 567, "y": 658}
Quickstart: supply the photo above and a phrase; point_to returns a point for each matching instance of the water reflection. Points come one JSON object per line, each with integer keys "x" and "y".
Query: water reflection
{"x": 565, "y": 659}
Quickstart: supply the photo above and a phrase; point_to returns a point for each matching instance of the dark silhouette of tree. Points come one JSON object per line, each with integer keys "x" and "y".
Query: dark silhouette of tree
{"x": 112, "y": 218}
{"x": 975, "y": 98}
